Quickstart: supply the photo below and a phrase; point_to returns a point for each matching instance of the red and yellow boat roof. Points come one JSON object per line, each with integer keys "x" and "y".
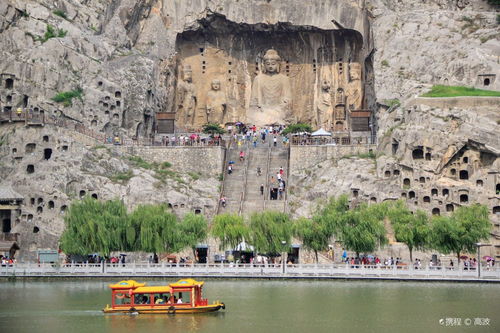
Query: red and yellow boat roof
{"x": 140, "y": 288}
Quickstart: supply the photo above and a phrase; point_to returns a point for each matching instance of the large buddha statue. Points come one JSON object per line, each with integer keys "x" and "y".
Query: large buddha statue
{"x": 271, "y": 98}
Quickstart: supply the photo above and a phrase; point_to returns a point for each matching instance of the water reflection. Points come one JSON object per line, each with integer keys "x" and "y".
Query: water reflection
{"x": 254, "y": 306}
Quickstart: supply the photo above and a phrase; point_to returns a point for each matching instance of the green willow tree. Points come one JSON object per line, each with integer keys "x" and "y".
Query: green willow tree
{"x": 461, "y": 231}
{"x": 410, "y": 229}
{"x": 314, "y": 234}
{"x": 230, "y": 230}
{"x": 94, "y": 226}
{"x": 270, "y": 232}
{"x": 362, "y": 229}
{"x": 194, "y": 229}
{"x": 152, "y": 228}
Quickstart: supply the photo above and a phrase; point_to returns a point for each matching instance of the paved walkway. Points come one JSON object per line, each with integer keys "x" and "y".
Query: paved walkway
{"x": 217, "y": 270}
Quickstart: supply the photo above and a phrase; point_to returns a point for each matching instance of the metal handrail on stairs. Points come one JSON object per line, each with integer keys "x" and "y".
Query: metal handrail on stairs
{"x": 266, "y": 187}
{"x": 245, "y": 176}
{"x": 226, "y": 152}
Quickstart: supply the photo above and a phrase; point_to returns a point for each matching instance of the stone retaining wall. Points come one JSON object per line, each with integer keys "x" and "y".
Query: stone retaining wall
{"x": 205, "y": 160}
{"x": 457, "y": 102}
{"x": 302, "y": 157}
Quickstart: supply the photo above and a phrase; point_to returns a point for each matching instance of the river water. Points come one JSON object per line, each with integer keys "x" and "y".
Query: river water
{"x": 261, "y": 306}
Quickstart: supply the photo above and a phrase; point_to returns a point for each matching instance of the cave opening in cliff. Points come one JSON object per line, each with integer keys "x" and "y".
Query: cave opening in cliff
{"x": 464, "y": 174}
{"x": 29, "y": 148}
{"x": 417, "y": 153}
{"x": 311, "y": 61}
{"x": 6, "y": 216}
{"x": 436, "y": 211}
{"x": 9, "y": 83}
{"x": 47, "y": 153}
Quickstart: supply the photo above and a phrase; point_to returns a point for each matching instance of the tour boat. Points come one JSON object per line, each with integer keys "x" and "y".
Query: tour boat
{"x": 184, "y": 296}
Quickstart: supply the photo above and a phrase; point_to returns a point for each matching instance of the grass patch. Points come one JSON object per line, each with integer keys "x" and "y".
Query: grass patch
{"x": 194, "y": 175}
{"x": 369, "y": 155}
{"x": 139, "y": 162}
{"x": 51, "y": 32}
{"x": 384, "y": 63}
{"x": 165, "y": 165}
{"x": 122, "y": 177}
{"x": 60, "y": 13}
{"x": 392, "y": 102}
{"x": 161, "y": 170}
{"x": 66, "y": 97}
{"x": 454, "y": 91}
{"x": 99, "y": 147}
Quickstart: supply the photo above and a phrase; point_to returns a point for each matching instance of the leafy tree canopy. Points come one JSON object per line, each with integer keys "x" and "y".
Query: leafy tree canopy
{"x": 268, "y": 231}
{"x": 297, "y": 128}
{"x": 213, "y": 128}
{"x": 461, "y": 231}
{"x": 230, "y": 230}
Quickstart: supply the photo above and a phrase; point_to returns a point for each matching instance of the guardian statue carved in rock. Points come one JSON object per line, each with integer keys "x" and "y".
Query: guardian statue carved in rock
{"x": 355, "y": 95}
{"x": 271, "y": 98}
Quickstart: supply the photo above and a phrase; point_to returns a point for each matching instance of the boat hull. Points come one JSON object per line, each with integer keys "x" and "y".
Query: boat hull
{"x": 166, "y": 309}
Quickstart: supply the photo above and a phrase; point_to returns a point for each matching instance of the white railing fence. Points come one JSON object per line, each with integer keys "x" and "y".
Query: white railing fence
{"x": 251, "y": 270}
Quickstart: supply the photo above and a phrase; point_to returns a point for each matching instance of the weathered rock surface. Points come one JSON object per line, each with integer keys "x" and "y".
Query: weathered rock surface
{"x": 122, "y": 54}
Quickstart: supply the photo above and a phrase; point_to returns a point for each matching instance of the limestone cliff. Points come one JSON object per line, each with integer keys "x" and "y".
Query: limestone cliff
{"x": 122, "y": 60}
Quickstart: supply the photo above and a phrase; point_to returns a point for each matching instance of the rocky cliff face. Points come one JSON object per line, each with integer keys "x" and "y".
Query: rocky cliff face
{"x": 123, "y": 57}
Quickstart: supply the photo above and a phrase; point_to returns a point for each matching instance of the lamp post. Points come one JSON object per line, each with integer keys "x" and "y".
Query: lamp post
{"x": 479, "y": 245}
{"x": 283, "y": 256}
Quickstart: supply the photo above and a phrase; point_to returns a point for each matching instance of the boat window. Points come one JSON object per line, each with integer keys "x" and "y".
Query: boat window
{"x": 122, "y": 298}
{"x": 182, "y": 297}
{"x": 142, "y": 299}
{"x": 162, "y": 298}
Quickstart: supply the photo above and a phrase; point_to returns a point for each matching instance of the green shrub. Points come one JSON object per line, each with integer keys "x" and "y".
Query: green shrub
{"x": 60, "y": 13}
{"x": 122, "y": 177}
{"x": 454, "y": 91}
{"x": 384, "y": 63}
{"x": 392, "y": 102}
{"x": 194, "y": 175}
{"x": 66, "y": 97}
{"x": 51, "y": 32}
{"x": 139, "y": 162}
{"x": 166, "y": 165}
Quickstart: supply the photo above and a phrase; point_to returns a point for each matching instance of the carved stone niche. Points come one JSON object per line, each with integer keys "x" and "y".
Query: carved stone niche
{"x": 247, "y": 89}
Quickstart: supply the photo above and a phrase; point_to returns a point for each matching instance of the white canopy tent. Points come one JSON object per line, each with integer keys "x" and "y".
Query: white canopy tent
{"x": 243, "y": 246}
{"x": 321, "y": 132}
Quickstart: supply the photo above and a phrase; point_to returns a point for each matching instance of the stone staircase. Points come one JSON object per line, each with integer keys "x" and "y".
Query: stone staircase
{"x": 242, "y": 187}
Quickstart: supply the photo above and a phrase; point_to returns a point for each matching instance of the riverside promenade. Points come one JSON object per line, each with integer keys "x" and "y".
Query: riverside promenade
{"x": 228, "y": 270}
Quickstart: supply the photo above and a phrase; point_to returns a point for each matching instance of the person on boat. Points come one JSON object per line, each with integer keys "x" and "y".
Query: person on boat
{"x": 179, "y": 301}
